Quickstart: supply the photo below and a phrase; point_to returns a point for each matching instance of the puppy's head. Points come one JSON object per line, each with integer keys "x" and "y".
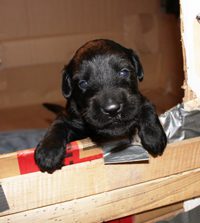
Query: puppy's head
{"x": 101, "y": 83}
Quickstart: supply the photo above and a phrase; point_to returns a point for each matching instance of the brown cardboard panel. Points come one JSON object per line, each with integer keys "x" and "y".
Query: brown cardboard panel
{"x": 35, "y": 18}
{"x": 67, "y": 17}
{"x": 31, "y": 69}
{"x": 47, "y": 17}
{"x": 13, "y": 22}
{"x": 25, "y": 117}
{"x": 153, "y": 85}
{"x": 50, "y": 31}
{"x": 172, "y": 66}
{"x": 46, "y": 50}
{"x": 141, "y": 6}
{"x": 156, "y": 38}
{"x": 17, "y": 53}
{"x": 152, "y": 68}
{"x": 30, "y": 85}
{"x": 141, "y": 32}
{"x": 1, "y": 53}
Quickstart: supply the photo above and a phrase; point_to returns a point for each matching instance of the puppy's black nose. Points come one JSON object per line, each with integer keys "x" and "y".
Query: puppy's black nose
{"x": 112, "y": 109}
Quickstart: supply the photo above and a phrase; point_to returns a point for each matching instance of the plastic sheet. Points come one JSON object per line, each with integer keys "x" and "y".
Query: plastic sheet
{"x": 124, "y": 151}
{"x": 180, "y": 124}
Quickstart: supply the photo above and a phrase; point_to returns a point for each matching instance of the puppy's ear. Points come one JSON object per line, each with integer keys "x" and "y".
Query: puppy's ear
{"x": 138, "y": 66}
{"x": 66, "y": 82}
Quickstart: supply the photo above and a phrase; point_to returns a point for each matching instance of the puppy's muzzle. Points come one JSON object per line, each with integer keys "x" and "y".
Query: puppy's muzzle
{"x": 111, "y": 108}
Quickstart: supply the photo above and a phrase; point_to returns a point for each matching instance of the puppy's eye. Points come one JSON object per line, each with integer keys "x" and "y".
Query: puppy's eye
{"x": 83, "y": 84}
{"x": 124, "y": 72}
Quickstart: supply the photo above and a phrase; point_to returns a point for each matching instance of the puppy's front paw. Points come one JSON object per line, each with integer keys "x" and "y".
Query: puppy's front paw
{"x": 49, "y": 157}
{"x": 153, "y": 139}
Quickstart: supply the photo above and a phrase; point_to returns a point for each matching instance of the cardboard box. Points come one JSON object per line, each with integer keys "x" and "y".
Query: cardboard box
{"x": 38, "y": 38}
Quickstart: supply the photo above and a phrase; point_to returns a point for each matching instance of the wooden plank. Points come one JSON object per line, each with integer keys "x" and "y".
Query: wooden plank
{"x": 9, "y": 165}
{"x": 90, "y": 178}
{"x": 117, "y": 203}
{"x": 173, "y": 151}
{"x": 22, "y": 161}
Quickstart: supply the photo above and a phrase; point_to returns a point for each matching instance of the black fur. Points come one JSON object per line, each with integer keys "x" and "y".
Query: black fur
{"x": 100, "y": 84}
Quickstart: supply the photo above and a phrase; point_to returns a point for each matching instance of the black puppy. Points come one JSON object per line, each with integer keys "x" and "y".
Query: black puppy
{"x": 100, "y": 84}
